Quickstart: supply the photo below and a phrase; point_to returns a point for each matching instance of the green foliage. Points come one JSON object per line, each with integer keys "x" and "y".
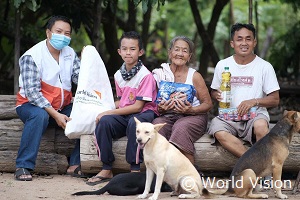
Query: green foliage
{"x": 30, "y": 4}
{"x": 147, "y": 3}
{"x": 17, "y": 3}
{"x": 6, "y": 53}
{"x": 80, "y": 12}
{"x": 285, "y": 53}
{"x": 80, "y": 39}
{"x": 170, "y": 18}
{"x": 294, "y": 3}
{"x": 271, "y": 13}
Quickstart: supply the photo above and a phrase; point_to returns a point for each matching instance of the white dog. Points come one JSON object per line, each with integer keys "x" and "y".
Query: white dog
{"x": 168, "y": 163}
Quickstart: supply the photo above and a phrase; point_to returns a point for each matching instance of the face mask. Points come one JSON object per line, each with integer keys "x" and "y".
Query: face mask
{"x": 59, "y": 41}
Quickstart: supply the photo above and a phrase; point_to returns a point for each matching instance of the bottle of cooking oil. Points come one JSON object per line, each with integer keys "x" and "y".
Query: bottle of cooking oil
{"x": 226, "y": 89}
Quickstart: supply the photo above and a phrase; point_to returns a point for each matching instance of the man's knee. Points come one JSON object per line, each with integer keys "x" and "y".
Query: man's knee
{"x": 221, "y": 136}
{"x": 41, "y": 117}
{"x": 260, "y": 127}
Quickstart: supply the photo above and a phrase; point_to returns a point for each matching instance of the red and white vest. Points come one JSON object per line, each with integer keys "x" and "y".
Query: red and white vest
{"x": 55, "y": 78}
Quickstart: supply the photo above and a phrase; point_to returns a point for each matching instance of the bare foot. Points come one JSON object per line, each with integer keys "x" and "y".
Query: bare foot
{"x": 103, "y": 175}
{"x": 72, "y": 168}
{"x": 135, "y": 171}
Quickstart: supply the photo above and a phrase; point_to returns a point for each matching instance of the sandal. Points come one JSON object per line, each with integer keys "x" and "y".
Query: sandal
{"x": 22, "y": 172}
{"x": 97, "y": 180}
{"x": 77, "y": 173}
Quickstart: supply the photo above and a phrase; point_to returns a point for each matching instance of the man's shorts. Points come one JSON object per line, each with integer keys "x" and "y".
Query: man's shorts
{"x": 240, "y": 129}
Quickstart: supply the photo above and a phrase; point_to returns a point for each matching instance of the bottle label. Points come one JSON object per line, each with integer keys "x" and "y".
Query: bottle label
{"x": 226, "y": 96}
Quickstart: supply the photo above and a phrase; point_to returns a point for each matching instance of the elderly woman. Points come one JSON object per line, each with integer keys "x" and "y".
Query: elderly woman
{"x": 186, "y": 121}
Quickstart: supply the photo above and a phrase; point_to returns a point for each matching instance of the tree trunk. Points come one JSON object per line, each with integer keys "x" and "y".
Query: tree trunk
{"x": 145, "y": 31}
{"x": 207, "y": 40}
{"x": 17, "y": 49}
{"x": 250, "y": 2}
{"x": 256, "y": 49}
{"x": 267, "y": 43}
{"x": 111, "y": 41}
{"x": 54, "y": 150}
{"x": 131, "y": 21}
{"x": 97, "y": 23}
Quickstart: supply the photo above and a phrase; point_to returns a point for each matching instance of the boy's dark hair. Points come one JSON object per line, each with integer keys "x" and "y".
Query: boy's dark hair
{"x": 239, "y": 26}
{"x": 132, "y": 35}
{"x": 56, "y": 18}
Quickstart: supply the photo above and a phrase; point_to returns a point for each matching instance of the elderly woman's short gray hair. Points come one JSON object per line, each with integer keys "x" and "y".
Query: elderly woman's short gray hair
{"x": 187, "y": 40}
{"x": 184, "y": 38}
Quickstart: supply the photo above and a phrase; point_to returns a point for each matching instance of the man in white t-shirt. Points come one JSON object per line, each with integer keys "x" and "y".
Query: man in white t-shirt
{"x": 253, "y": 84}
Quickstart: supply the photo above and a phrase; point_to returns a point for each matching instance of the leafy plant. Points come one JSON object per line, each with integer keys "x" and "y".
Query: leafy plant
{"x": 285, "y": 53}
{"x": 31, "y": 4}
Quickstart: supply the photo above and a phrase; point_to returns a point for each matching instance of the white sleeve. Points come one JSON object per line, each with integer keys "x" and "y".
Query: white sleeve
{"x": 217, "y": 79}
{"x": 270, "y": 82}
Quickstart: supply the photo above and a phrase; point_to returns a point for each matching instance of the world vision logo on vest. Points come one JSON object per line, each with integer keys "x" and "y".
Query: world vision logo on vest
{"x": 68, "y": 57}
{"x": 98, "y": 93}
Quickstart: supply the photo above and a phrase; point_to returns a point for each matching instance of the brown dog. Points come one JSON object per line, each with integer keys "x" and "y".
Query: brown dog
{"x": 265, "y": 157}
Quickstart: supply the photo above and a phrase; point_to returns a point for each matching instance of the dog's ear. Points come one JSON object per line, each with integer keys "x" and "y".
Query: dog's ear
{"x": 285, "y": 112}
{"x": 136, "y": 120}
{"x": 296, "y": 116}
{"x": 157, "y": 127}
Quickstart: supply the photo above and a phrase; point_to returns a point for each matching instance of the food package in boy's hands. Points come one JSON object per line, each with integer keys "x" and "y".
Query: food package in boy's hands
{"x": 93, "y": 95}
{"x": 168, "y": 90}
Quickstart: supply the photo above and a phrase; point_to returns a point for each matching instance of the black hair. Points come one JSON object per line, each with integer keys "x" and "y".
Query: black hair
{"x": 56, "y": 18}
{"x": 132, "y": 35}
{"x": 239, "y": 26}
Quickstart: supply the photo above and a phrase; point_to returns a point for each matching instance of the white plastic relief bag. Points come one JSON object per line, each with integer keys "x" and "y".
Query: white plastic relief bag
{"x": 93, "y": 95}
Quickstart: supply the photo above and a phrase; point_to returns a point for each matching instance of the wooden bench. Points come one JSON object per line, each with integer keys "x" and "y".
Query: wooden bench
{"x": 56, "y": 148}
{"x": 208, "y": 157}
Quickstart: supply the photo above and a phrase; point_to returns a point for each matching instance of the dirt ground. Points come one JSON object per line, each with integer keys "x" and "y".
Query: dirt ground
{"x": 60, "y": 187}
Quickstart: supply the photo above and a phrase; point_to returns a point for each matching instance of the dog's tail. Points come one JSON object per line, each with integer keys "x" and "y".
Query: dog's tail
{"x": 209, "y": 194}
{"x": 219, "y": 192}
{"x": 206, "y": 193}
{"x": 96, "y": 192}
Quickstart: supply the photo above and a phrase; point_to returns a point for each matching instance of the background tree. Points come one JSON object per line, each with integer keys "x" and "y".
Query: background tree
{"x": 207, "y": 35}
{"x": 32, "y": 5}
{"x": 101, "y": 22}
{"x": 285, "y": 54}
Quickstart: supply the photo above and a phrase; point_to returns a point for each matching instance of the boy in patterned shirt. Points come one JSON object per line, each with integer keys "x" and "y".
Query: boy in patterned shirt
{"x": 136, "y": 92}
